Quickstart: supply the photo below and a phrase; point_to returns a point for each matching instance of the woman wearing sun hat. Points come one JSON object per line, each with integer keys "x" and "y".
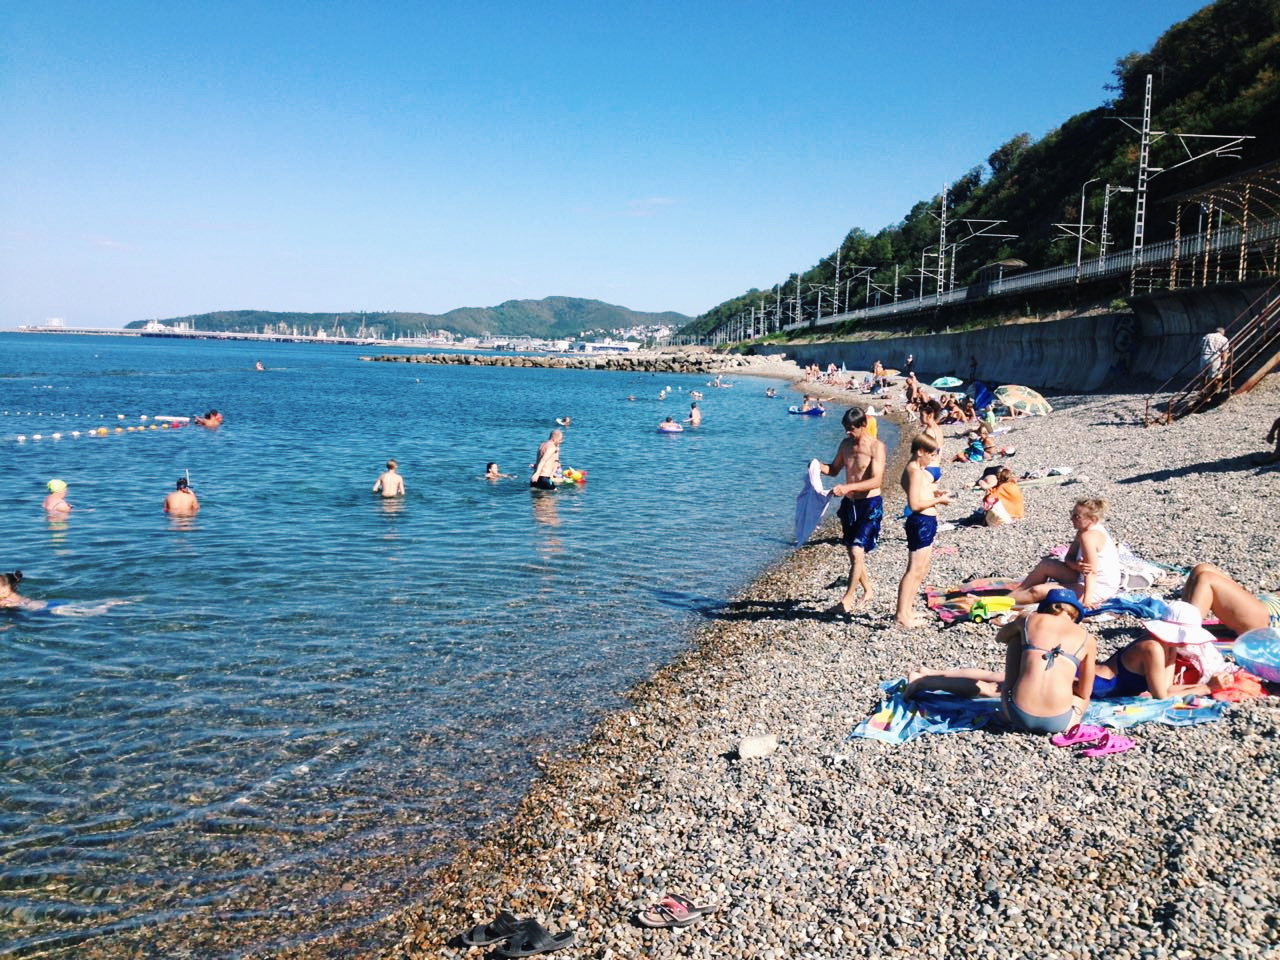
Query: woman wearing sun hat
{"x": 56, "y": 501}
{"x": 1148, "y": 664}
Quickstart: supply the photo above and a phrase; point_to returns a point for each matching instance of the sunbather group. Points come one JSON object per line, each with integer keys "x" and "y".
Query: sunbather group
{"x": 1039, "y": 694}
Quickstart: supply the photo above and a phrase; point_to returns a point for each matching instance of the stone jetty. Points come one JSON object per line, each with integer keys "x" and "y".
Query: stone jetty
{"x": 772, "y": 365}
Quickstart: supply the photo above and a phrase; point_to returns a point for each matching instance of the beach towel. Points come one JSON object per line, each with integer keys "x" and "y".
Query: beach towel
{"x": 898, "y": 721}
{"x": 952, "y": 604}
{"x": 811, "y": 503}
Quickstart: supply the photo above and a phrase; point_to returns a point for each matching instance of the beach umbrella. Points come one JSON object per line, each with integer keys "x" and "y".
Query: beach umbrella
{"x": 1023, "y": 399}
{"x": 946, "y": 383}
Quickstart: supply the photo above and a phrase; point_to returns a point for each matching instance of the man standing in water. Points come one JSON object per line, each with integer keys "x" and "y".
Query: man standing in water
{"x": 182, "y": 502}
{"x": 861, "y": 456}
{"x": 390, "y": 483}
{"x": 548, "y": 463}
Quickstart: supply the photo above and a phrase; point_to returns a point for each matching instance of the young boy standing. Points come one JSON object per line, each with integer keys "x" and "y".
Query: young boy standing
{"x": 923, "y": 498}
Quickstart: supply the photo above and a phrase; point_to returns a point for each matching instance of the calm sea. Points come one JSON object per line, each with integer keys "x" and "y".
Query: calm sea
{"x": 263, "y": 724}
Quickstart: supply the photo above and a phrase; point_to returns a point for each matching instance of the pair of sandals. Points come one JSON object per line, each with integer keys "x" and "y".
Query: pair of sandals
{"x": 1106, "y": 742}
{"x": 523, "y": 938}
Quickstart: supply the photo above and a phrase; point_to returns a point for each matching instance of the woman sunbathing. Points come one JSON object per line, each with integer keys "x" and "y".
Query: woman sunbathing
{"x": 1212, "y": 590}
{"x": 1091, "y": 567}
{"x": 1149, "y": 664}
{"x": 1048, "y": 669}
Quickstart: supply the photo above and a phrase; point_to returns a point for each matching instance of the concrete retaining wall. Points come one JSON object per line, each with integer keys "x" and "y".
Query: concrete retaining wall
{"x": 1081, "y": 353}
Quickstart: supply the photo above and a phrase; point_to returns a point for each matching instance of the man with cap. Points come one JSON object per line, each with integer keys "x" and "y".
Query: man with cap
{"x": 1048, "y": 674}
{"x": 56, "y": 502}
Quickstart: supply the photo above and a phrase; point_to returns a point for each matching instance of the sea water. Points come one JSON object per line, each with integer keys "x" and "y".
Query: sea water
{"x": 262, "y": 724}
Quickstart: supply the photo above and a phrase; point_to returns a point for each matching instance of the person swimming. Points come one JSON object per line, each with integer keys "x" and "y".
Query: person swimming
{"x": 56, "y": 502}
{"x": 491, "y": 472}
{"x": 9, "y": 597}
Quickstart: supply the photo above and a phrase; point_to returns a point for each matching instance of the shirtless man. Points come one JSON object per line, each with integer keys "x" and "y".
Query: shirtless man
{"x": 56, "y": 502}
{"x": 182, "y": 502}
{"x": 390, "y": 484}
{"x": 548, "y": 463}
{"x": 922, "y": 525}
{"x": 861, "y": 457}
{"x": 695, "y": 415}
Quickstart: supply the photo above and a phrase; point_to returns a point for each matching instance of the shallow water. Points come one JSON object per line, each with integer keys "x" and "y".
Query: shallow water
{"x": 263, "y": 723}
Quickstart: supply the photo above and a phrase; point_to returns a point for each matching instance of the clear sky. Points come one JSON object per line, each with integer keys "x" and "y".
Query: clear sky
{"x": 164, "y": 159}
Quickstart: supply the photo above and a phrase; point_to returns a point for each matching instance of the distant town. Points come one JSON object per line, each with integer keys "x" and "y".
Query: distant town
{"x": 590, "y": 341}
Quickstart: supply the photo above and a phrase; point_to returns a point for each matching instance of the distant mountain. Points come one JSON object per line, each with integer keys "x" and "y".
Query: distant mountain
{"x": 551, "y": 318}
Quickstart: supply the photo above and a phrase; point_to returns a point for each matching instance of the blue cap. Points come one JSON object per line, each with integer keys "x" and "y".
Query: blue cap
{"x": 1061, "y": 595}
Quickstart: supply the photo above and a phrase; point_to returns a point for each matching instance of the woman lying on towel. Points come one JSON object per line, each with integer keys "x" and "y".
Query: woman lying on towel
{"x": 1048, "y": 669}
{"x": 1090, "y": 569}
{"x": 1213, "y": 591}
{"x": 1149, "y": 665}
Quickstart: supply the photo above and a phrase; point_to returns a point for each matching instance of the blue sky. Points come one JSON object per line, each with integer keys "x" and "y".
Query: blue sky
{"x": 167, "y": 159}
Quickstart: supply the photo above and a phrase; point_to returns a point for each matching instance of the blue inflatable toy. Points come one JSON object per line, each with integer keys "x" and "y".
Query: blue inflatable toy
{"x": 1258, "y": 651}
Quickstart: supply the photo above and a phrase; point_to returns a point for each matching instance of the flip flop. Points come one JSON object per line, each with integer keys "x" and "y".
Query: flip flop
{"x": 1109, "y": 744}
{"x": 672, "y": 910}
{"x": 532, "y": 938}
{"x": 500, "y": 928}
{"x": 1078, "y": 733}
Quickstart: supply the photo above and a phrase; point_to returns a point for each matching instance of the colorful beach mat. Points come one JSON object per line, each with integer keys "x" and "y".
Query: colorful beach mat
{"x": 951, "y": 603}
{"x": 899, "y": 721}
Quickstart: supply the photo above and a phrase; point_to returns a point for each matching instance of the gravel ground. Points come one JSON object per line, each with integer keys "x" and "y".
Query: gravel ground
{"x": 972, "y": 845}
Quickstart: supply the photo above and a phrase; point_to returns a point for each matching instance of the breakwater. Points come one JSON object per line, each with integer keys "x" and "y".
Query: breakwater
{"x": 771, "y": 365}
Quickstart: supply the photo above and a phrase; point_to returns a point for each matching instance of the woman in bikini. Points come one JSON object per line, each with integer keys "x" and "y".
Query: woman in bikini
{"x": 1048, "y": 669}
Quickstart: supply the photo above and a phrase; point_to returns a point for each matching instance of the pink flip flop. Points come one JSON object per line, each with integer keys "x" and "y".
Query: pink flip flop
{"x": 672, "y": 910}
{"x": 1079, "y": 733}
{"x": 1109, "y": 744}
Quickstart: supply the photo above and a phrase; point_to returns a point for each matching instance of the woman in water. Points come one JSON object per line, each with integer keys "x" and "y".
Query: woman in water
{"x": 1090, "y": 569}
{"x": 9, "y": 598}
{"x": 1048, "y": 669}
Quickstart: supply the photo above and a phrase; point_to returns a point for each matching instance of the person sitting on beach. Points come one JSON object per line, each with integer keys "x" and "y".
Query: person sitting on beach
{"x": 923, "y": 499}
{"x": 547, "y": 465}
{"x": 9, "y": 598}
{"x": 56, "y": 502}
{"x": 182, "y": 501}
{"x": 390, "y": 484}
{"x": 695, "y": 415}
{"x": 491, "y": 472}
{"x": 1002, "y": 500}
{"x": 1049, "y": 669}
{"x": 1273, "y": 436}
{"x": 1212, "y": 591}
{"x": 980, "y": 446}
{"x": 1148, "y": 666}
{"x": 1090, "y": 568}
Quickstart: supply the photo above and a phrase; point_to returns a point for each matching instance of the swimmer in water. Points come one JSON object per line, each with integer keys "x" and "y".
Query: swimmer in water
{"x": 695, "y": 415}
{"x": 259, "y": 366}
{"x": 182, "y": 502}
{"x": 491, "y": 472}
{"x": 212, "y": 420}
{"x": 390, "y": 484}
{"x": 56, "y": 502}
{"x": 564, "y": 421}
{"x": 9, "y": 598}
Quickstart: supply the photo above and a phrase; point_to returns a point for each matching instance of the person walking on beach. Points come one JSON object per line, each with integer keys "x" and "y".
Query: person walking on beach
{"x": 861, "y": 457}
{"x": 548, "y": 462}
{"x": 390, "y": 484}
{"x": 923, "y": 498}
{"x": 182, "y": 502}
{"x": 56, "y": 502}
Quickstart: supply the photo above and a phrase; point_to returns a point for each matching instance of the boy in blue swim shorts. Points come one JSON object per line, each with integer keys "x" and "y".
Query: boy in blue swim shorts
{"x": 861, "y": 457}
{"x": 923, "y": 498}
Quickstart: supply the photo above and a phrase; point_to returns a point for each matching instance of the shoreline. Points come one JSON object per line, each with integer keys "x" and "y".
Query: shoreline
{"x": 975, "y": 844}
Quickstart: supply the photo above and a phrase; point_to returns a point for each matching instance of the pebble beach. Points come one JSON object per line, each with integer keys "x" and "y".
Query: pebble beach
{"x": 982, "y": 844}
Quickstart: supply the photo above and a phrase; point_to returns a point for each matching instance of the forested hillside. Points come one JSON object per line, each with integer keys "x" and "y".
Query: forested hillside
{"x": 1218, "y": 72}
{"x": 551, "y": 318}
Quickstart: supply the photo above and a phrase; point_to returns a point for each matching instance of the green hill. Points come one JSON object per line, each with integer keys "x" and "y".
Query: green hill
{"x": 1217, "y": 72}
{"x": 551, "y": 318}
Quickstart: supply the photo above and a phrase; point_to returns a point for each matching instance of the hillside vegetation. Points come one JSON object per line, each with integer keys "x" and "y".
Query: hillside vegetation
{"x": 1217, "y": 72}
{"x": 552, "y": 318}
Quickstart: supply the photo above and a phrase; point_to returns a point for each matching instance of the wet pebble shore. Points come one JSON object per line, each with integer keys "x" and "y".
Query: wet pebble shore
{"x": 964, "y": 846}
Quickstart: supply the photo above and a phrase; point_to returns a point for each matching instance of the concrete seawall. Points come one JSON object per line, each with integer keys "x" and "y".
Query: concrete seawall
{"x": 1150, "y": 345}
